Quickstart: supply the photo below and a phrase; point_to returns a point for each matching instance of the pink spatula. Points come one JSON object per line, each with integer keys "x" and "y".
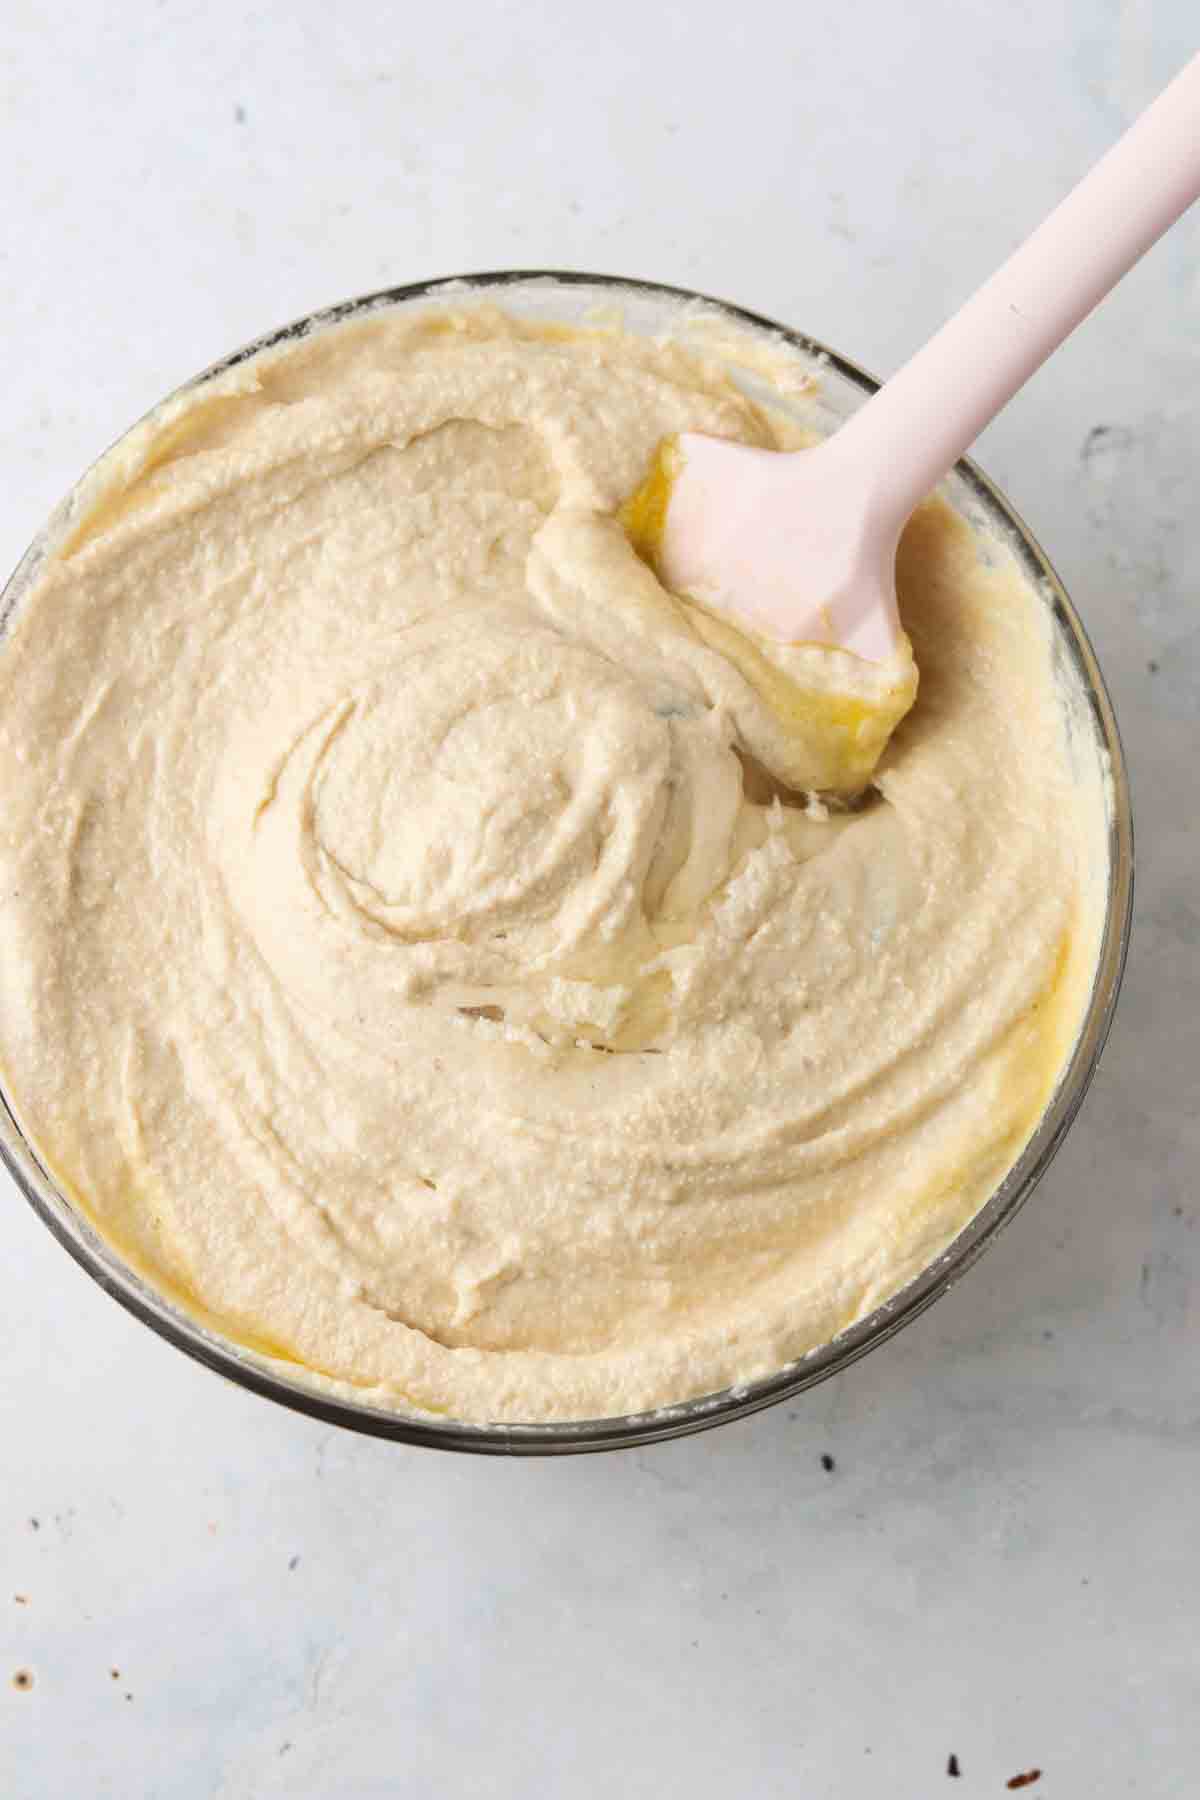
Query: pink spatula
{"x": 801, "y": 546}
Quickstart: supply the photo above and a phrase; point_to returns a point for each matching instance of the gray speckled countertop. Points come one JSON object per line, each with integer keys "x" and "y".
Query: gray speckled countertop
{"x": 211, "y": 1597}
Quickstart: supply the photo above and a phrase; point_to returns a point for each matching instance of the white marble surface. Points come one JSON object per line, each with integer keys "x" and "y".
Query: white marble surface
{"x": 1003, "y": 1562}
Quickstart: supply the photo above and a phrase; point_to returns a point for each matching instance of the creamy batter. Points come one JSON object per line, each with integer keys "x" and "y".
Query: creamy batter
{"x": 422, "y": 957}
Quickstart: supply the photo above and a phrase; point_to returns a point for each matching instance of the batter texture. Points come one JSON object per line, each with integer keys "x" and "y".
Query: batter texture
{"x": 421, "y": 956}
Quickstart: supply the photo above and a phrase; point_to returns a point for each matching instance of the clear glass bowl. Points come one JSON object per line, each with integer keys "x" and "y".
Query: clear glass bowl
{"x": 649, "y": 308}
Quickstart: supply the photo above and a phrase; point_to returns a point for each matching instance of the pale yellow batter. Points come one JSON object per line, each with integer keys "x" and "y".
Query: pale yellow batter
{"x": 415, "y": 958}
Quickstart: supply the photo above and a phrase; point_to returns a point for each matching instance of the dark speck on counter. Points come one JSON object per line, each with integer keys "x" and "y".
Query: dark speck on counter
{"x": 828, "y": 1464}
{"x": 952, "y": 1767}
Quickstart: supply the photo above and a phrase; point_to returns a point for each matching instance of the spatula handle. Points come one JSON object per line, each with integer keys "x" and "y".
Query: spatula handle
{"x": 914, "y": 430}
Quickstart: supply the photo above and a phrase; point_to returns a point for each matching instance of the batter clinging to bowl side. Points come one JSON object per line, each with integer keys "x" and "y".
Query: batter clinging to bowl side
{"x": 420, "y": 954}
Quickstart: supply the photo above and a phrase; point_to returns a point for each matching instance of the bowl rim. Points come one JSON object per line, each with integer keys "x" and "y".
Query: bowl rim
{"x": 187, "y": 1333}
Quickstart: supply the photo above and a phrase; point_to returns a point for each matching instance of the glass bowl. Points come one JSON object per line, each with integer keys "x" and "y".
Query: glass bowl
{"x": 650, "y": 308}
